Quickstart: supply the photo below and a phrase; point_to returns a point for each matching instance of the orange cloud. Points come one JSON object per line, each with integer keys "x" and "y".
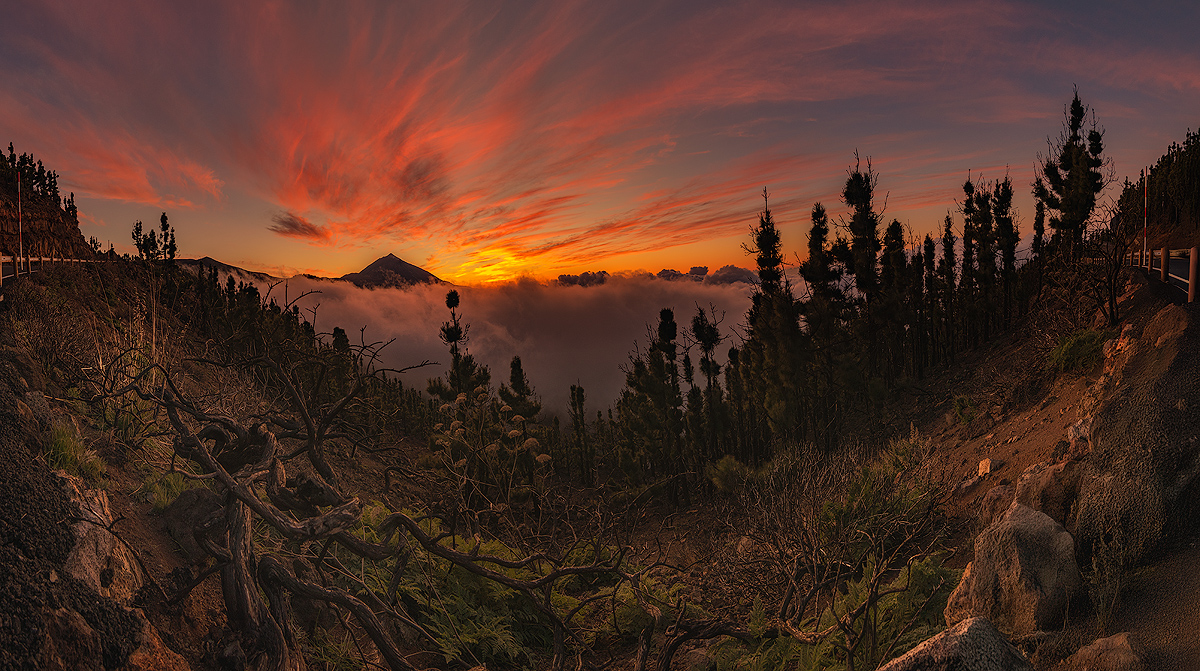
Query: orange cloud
{"x": 492, "y": 139}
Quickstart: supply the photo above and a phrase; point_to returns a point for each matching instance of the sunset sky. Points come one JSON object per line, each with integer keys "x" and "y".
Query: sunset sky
{"x": 487, "y": 140}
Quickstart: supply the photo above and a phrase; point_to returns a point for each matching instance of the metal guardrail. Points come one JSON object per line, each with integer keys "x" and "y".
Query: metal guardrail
{"x": 12, "y": 267}
{"x": 1176, "y": 266}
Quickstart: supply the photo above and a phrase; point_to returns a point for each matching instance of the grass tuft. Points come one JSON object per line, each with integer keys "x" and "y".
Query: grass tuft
{"x": 64, "y": 450}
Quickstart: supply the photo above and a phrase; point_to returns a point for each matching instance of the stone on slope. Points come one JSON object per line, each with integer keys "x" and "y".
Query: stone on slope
{"x": 971, "y": 645}
{"x": 1121, "y": 652}
{"x": 1023, "y": 576}
{"x": 1051, "y": 488}
{"x": 995, "y": 502}
{"x": 98, "y": 558}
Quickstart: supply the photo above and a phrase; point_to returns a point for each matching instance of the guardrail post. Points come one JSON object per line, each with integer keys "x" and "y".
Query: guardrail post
{"x": 1193, "y": 257}
{"x": 1164, "y": 261}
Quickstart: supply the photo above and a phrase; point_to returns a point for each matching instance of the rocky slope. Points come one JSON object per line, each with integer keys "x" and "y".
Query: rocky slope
{"x": 1086, "y": 495}
{"x": 68, "y": 587}
{"x": 47, "y": 230}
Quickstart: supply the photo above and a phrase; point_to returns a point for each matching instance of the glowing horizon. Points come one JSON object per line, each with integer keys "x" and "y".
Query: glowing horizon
{"x": 485, "y": 142}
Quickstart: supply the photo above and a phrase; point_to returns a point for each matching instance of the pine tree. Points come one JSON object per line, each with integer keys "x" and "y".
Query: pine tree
{"x": 1072, "y": 176}
{"x": 947, "y": 285}
{"x": 771, "y": 354}
{"x": 858, "y": 194}
{"x": 932, "y": 291}
{"x": 707, "y": 334}
{"x": 464, "y": 375}
{"x": 518, "y": 394}
{"x": 891, "y": 310}
{"x": 582, "y": 446}
{"x": 1007, "y": 237}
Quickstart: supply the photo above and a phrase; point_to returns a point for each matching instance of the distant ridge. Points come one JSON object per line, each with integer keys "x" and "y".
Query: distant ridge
{"x": 209, "y": 262}
{"x": 391, "y": 271}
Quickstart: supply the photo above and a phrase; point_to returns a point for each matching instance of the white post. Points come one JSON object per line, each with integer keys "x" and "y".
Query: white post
{"x": 1193, "y": 257}
{"x": 20, "y": 229}
{"x": 1145, "y": 216}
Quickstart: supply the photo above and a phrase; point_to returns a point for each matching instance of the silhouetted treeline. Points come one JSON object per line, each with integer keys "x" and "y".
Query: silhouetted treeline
{"x": 1171, "y": 194}
{"x": 874, "y": 307}
{"x": 37, "y": 184}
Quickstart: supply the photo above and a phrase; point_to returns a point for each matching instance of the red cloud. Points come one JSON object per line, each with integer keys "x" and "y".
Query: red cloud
{"x": 551, "y": 134}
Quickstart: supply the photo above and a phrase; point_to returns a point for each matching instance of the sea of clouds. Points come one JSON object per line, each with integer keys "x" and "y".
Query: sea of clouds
{"x": 565, "y": 334}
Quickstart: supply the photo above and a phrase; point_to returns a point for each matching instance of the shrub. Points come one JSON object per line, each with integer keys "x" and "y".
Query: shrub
{"x": 964, "y": 410}
{"x": 163, "y": 491}
{"x": 861, "y": 531}
{"x": 727, "y": 475}
{"x": 1079, "y": 351}
{"x": 324, "y": 651}
{"x": 63, "y": 450}
{"x": 1108, "y": 572}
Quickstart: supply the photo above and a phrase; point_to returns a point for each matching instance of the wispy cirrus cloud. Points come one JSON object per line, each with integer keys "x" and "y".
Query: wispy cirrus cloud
{"x": 491, "y": 139}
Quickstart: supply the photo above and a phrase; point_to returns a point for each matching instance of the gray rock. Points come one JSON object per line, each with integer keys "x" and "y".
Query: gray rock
{"x": 1121, "y": 652}
{"x": 995, "y": 502}
{"x": 98, "y": 558}
{"x": 1023, "y": 577}
{"x": 971, "y": 645}
{"x": 1051, "y": 488}
{"x": 959, "y": 605}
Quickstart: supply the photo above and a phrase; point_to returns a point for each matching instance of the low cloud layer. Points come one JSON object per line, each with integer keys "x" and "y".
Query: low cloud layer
{"x": 564, "y": 334}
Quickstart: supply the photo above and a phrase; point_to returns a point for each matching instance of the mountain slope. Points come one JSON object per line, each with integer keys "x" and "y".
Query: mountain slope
{"x": 391, "y": 271}
{"x": 224, "y": 268}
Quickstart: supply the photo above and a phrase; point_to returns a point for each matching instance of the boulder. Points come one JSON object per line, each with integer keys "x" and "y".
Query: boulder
{"x": 1051, "y": 488}
{"x": 959, "y": 605}
{"x": 98, "y": 559}
{"x": 1121, "y": 652}
{"x": 995, "y": 502}
{"x": 971, "y": 645}
{"x": 1023, "y": 577}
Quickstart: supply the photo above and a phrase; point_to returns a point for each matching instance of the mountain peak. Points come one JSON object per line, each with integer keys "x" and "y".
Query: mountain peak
{"x": 390, "y": 271}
